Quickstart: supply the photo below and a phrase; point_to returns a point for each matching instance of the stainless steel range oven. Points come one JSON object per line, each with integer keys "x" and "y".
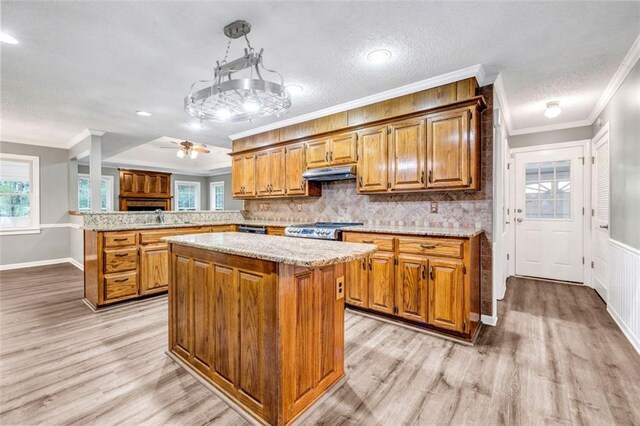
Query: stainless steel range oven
{"x": 319, "y": 230}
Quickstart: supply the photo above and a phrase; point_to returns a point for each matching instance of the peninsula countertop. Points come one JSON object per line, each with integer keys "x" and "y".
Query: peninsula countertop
{"x": 293, "y": 251}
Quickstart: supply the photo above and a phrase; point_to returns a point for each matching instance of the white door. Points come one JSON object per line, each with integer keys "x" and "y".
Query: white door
{"x": 600, "y": 211}
{"x": 549, "y": 214}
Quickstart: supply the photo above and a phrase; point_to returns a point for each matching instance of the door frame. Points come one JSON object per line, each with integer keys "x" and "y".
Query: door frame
{"x": 592, "y": 188}
{"x": 585, "y": 144}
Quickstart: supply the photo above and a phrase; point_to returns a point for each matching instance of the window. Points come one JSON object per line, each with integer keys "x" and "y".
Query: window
{"x": 84, "y": 193}
{"x": 548, "y": 190}
{"x": 216, "y": 196}
{"x": 19, "y": 193}
{"x": 187, "y": 196}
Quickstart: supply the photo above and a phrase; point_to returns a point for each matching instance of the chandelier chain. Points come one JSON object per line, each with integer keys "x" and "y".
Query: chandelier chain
{"x": 248, "y": 43}
{"x": 226, "y": 53}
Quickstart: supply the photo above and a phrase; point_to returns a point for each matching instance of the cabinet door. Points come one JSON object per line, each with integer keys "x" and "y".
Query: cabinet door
{"x": 202, "y": 288}
{"x": 446, "y": 291}
{"x": 408, "y": 145}
{"x": 357, "y": 285}
{"x": 448, "y": 149}
{"x": 343, "y": 149}
{"x": 249, "y": 175}
{"x": 411, "y": 288}
{"x": 154, "y": 268}
{"x": 263, "y": 175}
{"x": 181, "y": 306}
{"x": 318, "y": 153}
{"x": 276, "y": 171}
{"x": 372, "y": 160}
{"x": 294, "y": 167}
{"x": 381, "y": 297}
{"x": 237, "y": 176}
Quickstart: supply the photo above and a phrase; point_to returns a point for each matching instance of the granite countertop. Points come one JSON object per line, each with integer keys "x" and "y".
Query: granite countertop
{"x": 299, "y": 251}
{"x": 416, "y": 230}
{"x": 143, "y": 226}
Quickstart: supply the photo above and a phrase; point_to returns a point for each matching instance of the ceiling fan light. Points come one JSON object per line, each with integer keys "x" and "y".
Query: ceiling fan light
{"x": 193, "y": 154}
{"x": 180, "y": 153}
{"x": 553, "y": 109}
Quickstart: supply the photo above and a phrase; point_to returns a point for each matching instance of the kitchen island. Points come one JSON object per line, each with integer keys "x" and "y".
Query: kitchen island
{"x": 260, "y": 317}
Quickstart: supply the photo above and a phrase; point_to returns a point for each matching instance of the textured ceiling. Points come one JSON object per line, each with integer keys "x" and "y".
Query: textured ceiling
{"x": 93, "y": 64}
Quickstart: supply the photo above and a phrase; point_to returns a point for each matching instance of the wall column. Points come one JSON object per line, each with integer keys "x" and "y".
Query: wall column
{"x": 95, "y": 169}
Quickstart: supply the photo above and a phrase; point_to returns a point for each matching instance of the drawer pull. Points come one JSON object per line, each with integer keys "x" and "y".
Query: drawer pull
{"x": 367, "y": 241}
{"x": 431, "y": 272}
{"x": 121, "y": 280}
{"x": 120, "y": 239}
{"x": 364, "y": 264}
{"x": 121, "y": 254}
{"x": 427, "y": 246}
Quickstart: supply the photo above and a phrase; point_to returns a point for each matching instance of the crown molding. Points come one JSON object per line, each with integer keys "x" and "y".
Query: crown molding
{"x": 82, "y": 136}
{"x": 550, "y": 127}
{"x": 629, "y": 61}
{"x": 473, "y": 71}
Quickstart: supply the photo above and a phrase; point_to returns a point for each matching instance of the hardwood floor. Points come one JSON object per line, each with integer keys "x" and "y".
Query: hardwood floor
{"x": 555, "y": 357}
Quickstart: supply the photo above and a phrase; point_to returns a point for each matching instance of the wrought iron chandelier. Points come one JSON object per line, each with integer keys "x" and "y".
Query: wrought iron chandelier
{"x": 230, "y": 98}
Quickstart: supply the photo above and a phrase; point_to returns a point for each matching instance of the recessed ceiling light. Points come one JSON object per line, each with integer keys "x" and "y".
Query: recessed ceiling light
{"x": 379, "y": 56}
{"x": 294, "y": 89}
{"x": 6, "y": 38}
{"x": 143, "y": 113}
{"x": 553, "y": 109}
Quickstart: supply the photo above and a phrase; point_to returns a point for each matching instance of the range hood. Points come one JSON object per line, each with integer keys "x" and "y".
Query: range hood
{"x": 330, "y": 173}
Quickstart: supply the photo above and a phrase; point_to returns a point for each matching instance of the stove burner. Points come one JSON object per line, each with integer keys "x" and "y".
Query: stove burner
{"x": 319, "y": 230}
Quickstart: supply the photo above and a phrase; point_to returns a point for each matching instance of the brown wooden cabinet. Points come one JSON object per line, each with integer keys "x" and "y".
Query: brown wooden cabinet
{"x": 294, "y": 165}
{"x": 123, "y": 265}
{"x": 336, "y": 150}
{"x": 432, "y": 282}
{"x": 144, "y": 190}
{"x": 243, "y": 176}
{"x": 373, "y": 153}
{"x": 452, "y": 149}
{"x": 407, "y": 155}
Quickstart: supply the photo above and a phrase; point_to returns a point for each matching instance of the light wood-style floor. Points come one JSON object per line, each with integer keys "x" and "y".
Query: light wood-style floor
{"x": 555, "y": 357}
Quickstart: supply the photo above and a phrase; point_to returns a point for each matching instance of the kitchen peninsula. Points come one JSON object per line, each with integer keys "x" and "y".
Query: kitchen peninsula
{"x": 260, "y": 317}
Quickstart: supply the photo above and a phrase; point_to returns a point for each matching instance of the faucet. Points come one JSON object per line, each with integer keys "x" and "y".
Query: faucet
{"x": 160, "y": 214}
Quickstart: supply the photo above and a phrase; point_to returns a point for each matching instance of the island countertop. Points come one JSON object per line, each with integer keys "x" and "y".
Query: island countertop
{"x": 293, "y": 251}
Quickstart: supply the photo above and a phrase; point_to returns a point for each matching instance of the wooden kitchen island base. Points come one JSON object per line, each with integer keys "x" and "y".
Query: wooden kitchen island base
{"x": 268, "y": 335}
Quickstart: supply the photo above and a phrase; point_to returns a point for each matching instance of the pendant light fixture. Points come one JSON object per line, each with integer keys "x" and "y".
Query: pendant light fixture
{"x": 239, "y": 90}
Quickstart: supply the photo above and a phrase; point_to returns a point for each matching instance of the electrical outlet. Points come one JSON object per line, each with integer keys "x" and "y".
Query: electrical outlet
{"x": 434, "y": 207}
{"x": 339, "y": 288}
{"x": 299, "y": 207}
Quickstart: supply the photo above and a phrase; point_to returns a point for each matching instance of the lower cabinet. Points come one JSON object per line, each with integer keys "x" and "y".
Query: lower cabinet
{"x": 422, "y": 280}
{"x": 154, "y": 268}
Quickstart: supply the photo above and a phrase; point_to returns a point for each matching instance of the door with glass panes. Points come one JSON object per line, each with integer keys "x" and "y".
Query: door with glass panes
{"x": 549, "y": 214}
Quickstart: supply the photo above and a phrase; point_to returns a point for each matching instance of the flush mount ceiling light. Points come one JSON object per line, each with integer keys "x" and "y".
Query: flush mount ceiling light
{"x": 294, "y": 89}
{"x": 553, "y": 109}
{"x": 143, "y": 113}
{"x": 230, "y": 98}
{"x": 379, "y": 56}
{"x": 6, "y": 38}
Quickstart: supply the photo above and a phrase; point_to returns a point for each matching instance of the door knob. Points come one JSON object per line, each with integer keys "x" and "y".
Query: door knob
{"x": 519, "y": 210}
{"x": 604, "y": 226}
{"x": 519, "y": 219}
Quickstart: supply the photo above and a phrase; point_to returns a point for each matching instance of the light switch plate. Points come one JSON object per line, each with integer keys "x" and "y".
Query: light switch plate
{"x": 339, "y": 288}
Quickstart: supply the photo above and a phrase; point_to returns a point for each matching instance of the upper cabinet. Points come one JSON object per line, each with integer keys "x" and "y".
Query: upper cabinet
{"x": 332, "y": 151}
{"x": 452, "y": 149}
{"x": 294, "y": 165}
{"x": 372, "y": 167}
{"x": 407, "y": 154}
{"x": 145, "y": 184}
{"x": 243, "y": 176}
{"x": 270, "y": 172}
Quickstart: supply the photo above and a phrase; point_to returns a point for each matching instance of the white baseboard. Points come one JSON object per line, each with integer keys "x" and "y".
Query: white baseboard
{"x": 622, "y": 293}
{"x": 489, "y": 320}
{"x": 41, "y": 263}
{"x": 635, "y": 342}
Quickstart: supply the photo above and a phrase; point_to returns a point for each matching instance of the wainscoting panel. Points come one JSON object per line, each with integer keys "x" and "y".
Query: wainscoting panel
{"x": 624, "y": 289}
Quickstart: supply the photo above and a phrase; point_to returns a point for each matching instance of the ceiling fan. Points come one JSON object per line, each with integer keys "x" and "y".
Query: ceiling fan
{"x": 188, "y": 148}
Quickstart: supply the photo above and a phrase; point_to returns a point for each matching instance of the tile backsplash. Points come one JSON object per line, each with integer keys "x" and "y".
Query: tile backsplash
{"x": 340, "y": 202}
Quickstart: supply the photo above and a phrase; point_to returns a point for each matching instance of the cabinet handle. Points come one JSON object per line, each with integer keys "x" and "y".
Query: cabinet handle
{"x": 119, "y": 239}
{"x": 121, "y": 280}
{"x": 422, "y": 176}
{"x": 360, "y": 180}
{"x": 430, "y": 176}
{"x": 367, "y": 241}
{"x": 302, "y": 184}
{"x": 331, "y": 156}
{"x": 370, "y": 268}
{"x": 423, "y": 272}
{"x": 427, "y": 246}
{"x": 122, "y": 254}
{"x": 364, "y": 264}
{"x": 431, "y": 272}
{"x": 326, "y": 157}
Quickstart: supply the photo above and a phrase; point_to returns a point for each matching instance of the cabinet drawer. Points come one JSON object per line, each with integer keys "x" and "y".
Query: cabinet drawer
{"x": 120, "y": 260}
{"x": 432, "y": 246}
{"x": 384, "y": 242}
{"x": 221, "y": 228}
{"x": 155, "y": 237}
{"x": 117, "y": 286}
{"x": 120, "y": 240}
